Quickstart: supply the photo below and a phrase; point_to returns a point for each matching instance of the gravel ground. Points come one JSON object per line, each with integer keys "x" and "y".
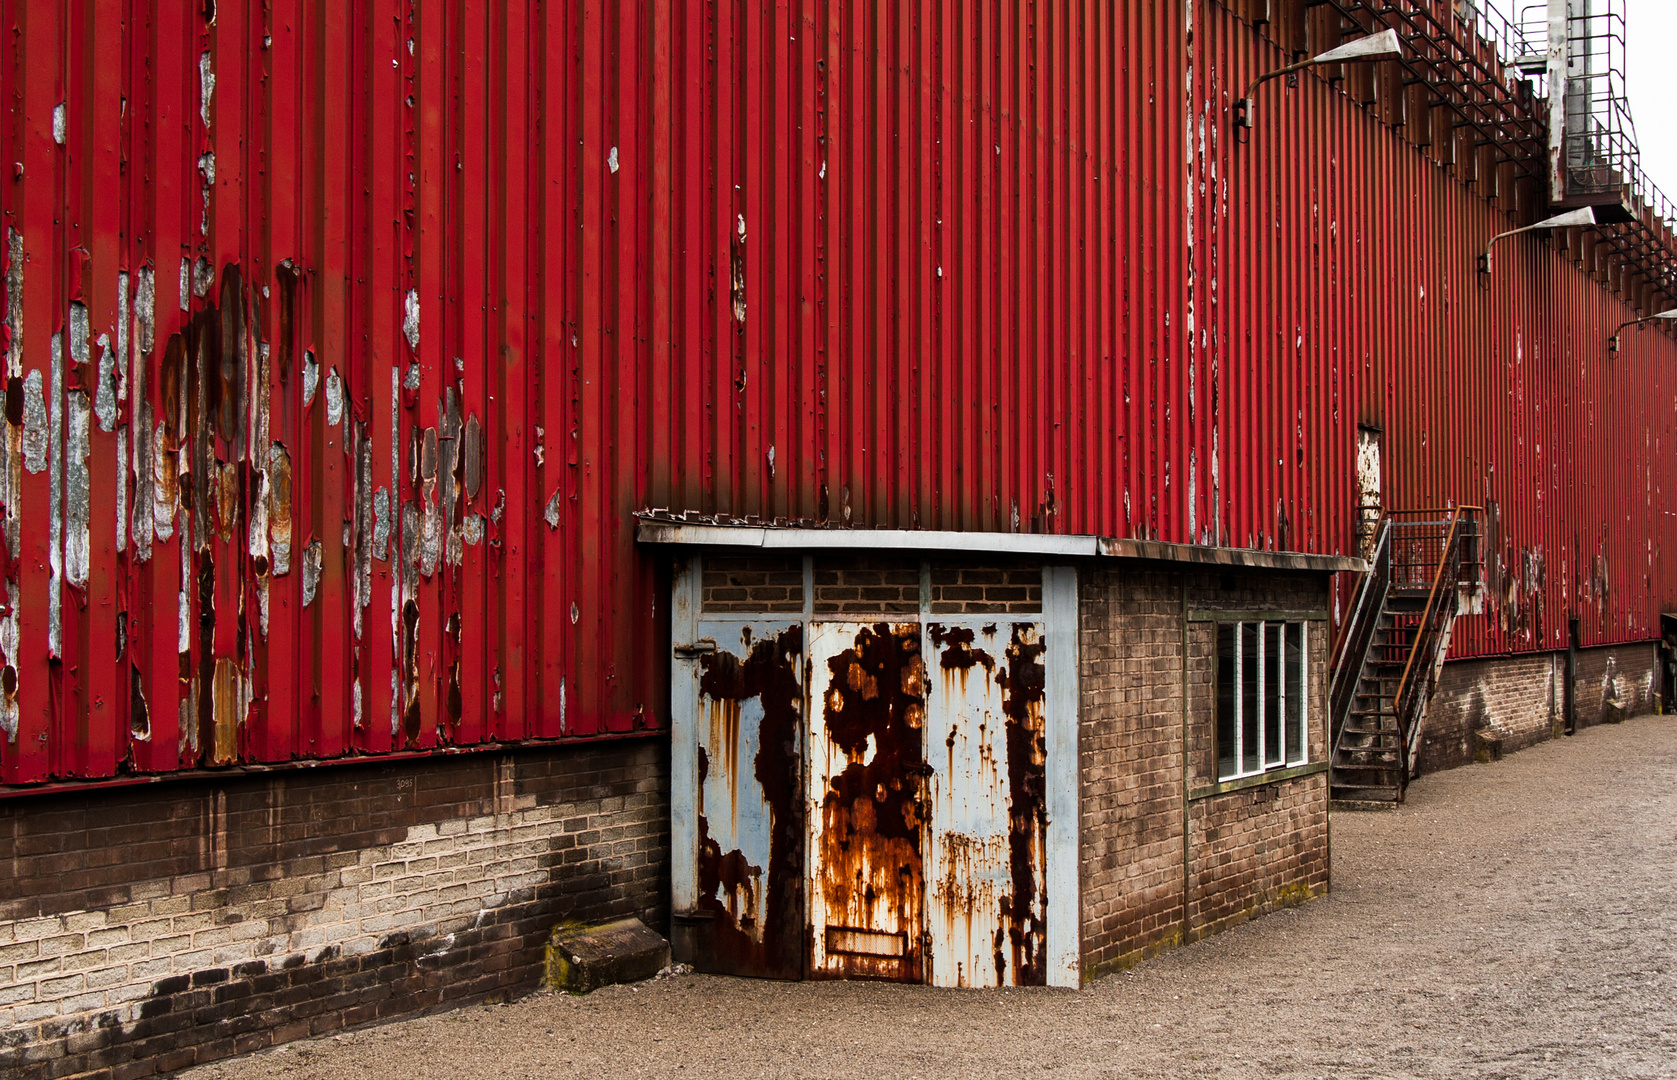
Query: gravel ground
{"x": 1511, "y": 920}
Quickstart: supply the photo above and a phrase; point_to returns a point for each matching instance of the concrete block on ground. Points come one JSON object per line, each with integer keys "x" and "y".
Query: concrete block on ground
{"x": 585, "y": 958}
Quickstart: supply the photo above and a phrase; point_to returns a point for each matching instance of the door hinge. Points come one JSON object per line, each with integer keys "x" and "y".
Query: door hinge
{"x": 702, "y": 647}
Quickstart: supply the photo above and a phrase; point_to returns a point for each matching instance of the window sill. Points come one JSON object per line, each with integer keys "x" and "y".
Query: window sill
{"x": 1274, "y": 776}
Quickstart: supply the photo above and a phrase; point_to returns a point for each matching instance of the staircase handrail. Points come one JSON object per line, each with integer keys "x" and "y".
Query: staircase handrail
{"x": 1442, "y": 602}
{"x": 1355, "y": 639}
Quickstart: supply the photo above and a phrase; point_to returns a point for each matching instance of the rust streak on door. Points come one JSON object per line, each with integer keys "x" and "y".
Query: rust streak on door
{"x": 867, "y": 778}
{"x": 1024, "y": 911}
{"x": 986, "y": 853}
{"x": 751, "y": 820}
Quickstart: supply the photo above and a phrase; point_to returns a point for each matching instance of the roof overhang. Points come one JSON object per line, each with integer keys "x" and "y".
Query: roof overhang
{"x": 794, "y": 538}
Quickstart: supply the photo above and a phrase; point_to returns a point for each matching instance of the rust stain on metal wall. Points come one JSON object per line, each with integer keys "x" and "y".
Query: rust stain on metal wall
{"x": 756, "y": 913}
{"x": 869, "y": 859}
{"x": 968, "y": 826}
{"x": 1020, "y": 941}
{"x": 1184, "y": 359}
{"x": 957, "y": 652}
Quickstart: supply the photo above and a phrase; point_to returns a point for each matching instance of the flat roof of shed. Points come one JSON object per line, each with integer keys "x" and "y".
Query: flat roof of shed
{"x": 694, "y": 531}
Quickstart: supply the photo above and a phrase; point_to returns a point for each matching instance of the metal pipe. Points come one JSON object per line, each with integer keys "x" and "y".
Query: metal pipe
{"x": 1572, "y": 675}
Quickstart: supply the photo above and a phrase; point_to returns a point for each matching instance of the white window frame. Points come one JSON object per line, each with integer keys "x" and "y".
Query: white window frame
{"x": 1290, "y": 757}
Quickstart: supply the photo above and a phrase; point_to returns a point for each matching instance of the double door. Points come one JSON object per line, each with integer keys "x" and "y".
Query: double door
{"x": 869, "y": 800}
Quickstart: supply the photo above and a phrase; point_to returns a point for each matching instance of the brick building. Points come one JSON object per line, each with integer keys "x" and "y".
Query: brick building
{"x": 871, "y": 490}
{"x": 1025, "y": 759}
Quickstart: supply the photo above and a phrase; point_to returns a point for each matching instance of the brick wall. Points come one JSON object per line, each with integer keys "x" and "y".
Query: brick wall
{"x": 146, "y": 929}
{"x": 1258, "y": 850}
{"x": 1130, "y": 750}
{"x": 1522, "y": 699}
{"x": 1517, "y": 699}
{"x": 1616, "y": 682}
{"x": 997, "y": 587}
{"x": 867, "y": 585}
{"x": 1263, "y": 848}
{"x": 752, "y": 583}
{"x": 1246, "y": 851}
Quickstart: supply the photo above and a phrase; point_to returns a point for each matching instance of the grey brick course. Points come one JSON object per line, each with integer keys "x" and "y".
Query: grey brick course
{"x": 449, "y": 901}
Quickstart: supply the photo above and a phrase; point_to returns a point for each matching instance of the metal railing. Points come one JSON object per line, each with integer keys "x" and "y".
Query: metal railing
{"x": 1485, "y": 61}
{"x": 1358, "y": 633}
{"x": 1435, "y": 552}
{"x": 1456, "y": 565}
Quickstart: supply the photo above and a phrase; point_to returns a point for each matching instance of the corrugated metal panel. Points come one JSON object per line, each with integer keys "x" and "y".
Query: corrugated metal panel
{"x": 309, "y": 312}
{"x": 390, "y": 313}
{"x": 410, "y": 304}
{"x": 1336, "y": 285}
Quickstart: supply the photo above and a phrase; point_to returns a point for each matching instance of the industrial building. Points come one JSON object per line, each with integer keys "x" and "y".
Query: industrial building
{"x": 952, "y": 493}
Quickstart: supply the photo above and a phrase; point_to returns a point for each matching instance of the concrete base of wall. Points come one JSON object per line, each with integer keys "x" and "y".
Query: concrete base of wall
{"x": 1503, "y": 704}
{"x": 143, "y": 930}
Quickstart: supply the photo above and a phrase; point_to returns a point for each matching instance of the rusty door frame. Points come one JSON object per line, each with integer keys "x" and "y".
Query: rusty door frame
{"x": 1368, "y": 514}
{"x": 1059, "y": 618}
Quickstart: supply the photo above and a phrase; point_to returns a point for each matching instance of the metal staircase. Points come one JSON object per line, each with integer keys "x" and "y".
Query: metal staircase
{"x": 1423, "y": 572}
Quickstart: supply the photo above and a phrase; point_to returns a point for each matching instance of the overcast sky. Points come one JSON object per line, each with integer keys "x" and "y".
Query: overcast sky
{"x": 1651, "y": 71}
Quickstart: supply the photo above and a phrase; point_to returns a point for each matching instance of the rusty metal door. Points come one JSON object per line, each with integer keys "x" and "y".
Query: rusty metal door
{"x": 893, "y": 799}
{"x": 866, "y": 801}
{"x": 986, "y": 858}
{"x": 746, "y": 915}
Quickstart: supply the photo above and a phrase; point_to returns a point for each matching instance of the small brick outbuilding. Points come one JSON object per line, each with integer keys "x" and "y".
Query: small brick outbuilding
{"x": 987, "y": 760}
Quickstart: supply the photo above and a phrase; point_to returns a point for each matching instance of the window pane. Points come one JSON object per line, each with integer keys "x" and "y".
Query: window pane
{"x": 1225, "y": 700}
{"x": 1297, "y": 750}
{"x": 1249, "y": 696}
{"x": 1273, "y": 754}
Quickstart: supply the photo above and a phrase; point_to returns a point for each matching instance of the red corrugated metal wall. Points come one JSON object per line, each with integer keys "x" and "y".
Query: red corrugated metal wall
{"x": 343, "y": 339}
{"x": 390, "y": 327}
{"x": 1336, "y": 282}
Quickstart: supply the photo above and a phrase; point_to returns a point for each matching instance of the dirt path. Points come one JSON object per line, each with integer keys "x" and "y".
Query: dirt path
{"x": 1512, "y": 920}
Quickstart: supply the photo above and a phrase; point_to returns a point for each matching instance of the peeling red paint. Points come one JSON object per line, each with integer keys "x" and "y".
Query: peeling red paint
{"x": 935, "y": 268}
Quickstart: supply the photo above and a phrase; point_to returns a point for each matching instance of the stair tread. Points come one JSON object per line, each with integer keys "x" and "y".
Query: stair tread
{"x": 1368, "y": 760}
